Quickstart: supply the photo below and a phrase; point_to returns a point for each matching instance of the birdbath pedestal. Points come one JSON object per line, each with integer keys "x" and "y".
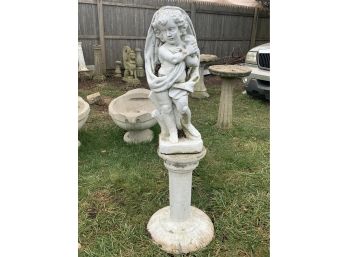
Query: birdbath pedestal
{"x": 200, "y": 91}
{"x": 231, "y": 76}
{"x": 118, "y": 73}
{"x": 181, "y": 228}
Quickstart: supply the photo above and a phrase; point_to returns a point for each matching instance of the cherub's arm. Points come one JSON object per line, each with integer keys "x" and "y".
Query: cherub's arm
{"x": 177, "y": 57}
{"x": 168, "y": 56}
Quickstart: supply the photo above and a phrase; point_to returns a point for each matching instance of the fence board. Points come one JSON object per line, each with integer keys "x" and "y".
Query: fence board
{"x": 220, "y": 29}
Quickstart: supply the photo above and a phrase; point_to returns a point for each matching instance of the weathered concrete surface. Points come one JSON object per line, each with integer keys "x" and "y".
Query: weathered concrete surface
{"x": 181, "y": 237}
{"x": 99, "y": 71}
{"x": 94, "y": 98}
{"x": 175, "y": 47}
{"x": 83, "y": 112}
{"x": 132, "y": 112}
{"x": 180, "y": 227}
{"x": 118, "y": 73}
{"x": 82, "y": 64}
{"x": 231, "y": 76}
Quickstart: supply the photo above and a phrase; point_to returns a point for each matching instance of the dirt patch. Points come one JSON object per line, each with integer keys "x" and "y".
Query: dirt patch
{"x": 102, "y": 196}
{"x": 90, "y": 83}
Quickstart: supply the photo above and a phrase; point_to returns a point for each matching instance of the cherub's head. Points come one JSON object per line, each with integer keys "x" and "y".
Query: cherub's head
{"x": 169, "y": 26}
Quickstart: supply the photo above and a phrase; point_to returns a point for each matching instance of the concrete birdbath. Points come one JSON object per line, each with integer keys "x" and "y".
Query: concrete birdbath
{"x": 231, "y": 76}
{"x": 132, "y": 112}
{"x": 83, "y": 113}
{"x": 200, "y": 91}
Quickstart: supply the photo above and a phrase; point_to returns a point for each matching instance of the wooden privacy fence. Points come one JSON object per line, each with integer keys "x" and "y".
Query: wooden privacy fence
{"x": 220, "y": 29}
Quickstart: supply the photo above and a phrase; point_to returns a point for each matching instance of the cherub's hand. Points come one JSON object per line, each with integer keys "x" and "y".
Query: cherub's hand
{"x": 177, "y": 50}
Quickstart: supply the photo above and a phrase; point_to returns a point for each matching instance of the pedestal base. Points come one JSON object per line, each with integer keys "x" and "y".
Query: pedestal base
{"x": 138, "y": 136}
{"x": 181, "y": 237}
{"x": 132, "y": 81}
{"x": 185, "y": 145}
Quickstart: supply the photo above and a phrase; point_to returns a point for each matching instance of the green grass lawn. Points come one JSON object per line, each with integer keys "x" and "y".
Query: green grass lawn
{"x": 121, "y": 186}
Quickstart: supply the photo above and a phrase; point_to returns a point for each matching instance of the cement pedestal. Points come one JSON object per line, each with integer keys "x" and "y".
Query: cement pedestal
{"x": 180, "y": 227}
{"x": 200, "y": 90}
{"x": 118, "y": 73}
{"x": 231, "y": 76}
{"x": 82, "y": 64}
{"x": 139, "y": 63}
{"x": 98, "y": 64}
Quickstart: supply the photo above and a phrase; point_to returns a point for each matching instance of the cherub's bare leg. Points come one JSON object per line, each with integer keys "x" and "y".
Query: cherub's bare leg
{"x": 165, "y": 107}
{"x": 185, "y": 113}
{"x": 178, "y": 117}
{"x": 169, "y": 120}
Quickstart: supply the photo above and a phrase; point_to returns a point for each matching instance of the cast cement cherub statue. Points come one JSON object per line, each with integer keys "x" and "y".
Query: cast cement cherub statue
{"x": 171, "y": 43}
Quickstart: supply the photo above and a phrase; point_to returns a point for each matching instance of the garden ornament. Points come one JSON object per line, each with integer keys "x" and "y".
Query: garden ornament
{"x": 171, "y": 44}
{"x": 172, "y": 70}
{"x": 129, "y": 63}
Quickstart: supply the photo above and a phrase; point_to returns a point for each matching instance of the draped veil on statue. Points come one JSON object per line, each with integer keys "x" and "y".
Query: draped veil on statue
{"x": 159, "y": 84}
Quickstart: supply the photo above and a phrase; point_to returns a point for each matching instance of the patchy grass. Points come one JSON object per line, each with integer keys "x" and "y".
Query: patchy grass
{"x": 121, "y": 186}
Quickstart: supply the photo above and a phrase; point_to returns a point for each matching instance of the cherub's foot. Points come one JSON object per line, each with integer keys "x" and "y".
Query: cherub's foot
{"x": 173, "y": 138}
{"x": 192, "y": 130}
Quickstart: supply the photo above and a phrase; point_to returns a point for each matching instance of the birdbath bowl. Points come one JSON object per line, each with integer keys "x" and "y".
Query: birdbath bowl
{"x": 231, "y": 76}
{"x": 132, "y": 112}
{"x": 83, "y": 112}
{"x": 200, "y": 90}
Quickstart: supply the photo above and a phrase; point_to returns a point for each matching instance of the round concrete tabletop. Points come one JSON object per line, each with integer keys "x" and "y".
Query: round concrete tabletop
{"x": 232, "y": 71}
{"x": 207, "y": 57}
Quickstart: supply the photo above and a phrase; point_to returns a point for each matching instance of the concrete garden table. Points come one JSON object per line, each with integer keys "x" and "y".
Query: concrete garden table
{"x": 231, "y": 76}
{"x": 200, "y": 91}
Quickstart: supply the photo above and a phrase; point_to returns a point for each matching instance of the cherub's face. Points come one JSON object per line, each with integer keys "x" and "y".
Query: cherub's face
{"x": 170, "y": 33}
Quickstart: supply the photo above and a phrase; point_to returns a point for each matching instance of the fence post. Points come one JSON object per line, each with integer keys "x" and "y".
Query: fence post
{"x": 193, "y": 13}
{"x": 101, "y": 33}
{"x": 254, "y": 28}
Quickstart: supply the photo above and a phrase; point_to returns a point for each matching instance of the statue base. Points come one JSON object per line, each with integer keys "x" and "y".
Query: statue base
{"x": 181, "y": 237}
{"x": 131, "y": 80}
{"x": 140, "y": 72}
{"x": 184, "y": 145}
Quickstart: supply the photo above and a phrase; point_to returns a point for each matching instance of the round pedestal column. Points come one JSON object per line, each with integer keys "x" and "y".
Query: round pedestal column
{"x": 117, "y": 69}
{"x": 231, "y": 76}
{"x": 225, "y": 106}
{"x": 82, "y": 64}
{"x": 180, "y": 227}
{"x": 98, "y": 64}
